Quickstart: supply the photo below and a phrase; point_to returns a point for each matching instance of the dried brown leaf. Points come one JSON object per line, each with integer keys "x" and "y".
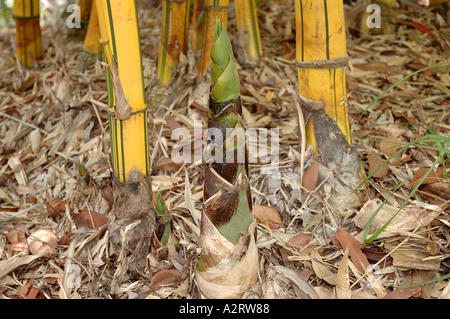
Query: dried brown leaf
{"x": 41, "y": 242}
{"x": 93, "y": 219}
{"x": 268, "y": 216}
{"x": 167, "y": 164}
{"x": 378, "y": 66}
{"x": 354, "y": 249}
{"x": 375, "y": 160}
{"x": 309, "y": 179}
{"x": 12, "y": 264}
{"x": 165, "y": 277}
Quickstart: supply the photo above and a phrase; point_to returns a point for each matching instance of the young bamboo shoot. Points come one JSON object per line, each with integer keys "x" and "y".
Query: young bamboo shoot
{"x": 229, "y": 263}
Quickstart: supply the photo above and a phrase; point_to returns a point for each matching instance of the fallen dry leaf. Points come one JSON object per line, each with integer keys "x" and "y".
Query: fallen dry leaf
{"x": 55, "y": 207}
{"x": 309, "y": 179}
{"x": 6, "y": 266}
{"x": 93, "y": 219}
{"x": 300, "y": 240}
{"x": 402, "y": 293}
{"x": 390, "y": 145}
{"x": 41, "y": 242}
{"x": 168, "y": 165}
{"x": 354, "y": 249}
{"x": 268, "y": 216}
{"x": 435, "y": 176}
{"x": 378, "y": 66}
{"x": 15, "y": 234}
{"x": 375, "y": 161}
{"x": 165, "y": 277}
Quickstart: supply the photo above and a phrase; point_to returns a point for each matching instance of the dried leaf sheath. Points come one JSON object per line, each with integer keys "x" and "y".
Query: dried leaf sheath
{"x": 229, "y": 263}
{"x": 174, "y": 37}
{"x": 28, "y": 32}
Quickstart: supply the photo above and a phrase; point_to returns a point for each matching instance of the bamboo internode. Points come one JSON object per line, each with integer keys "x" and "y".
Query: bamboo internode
{"x": 92, "y": 39}
{"x": 247, "y": 20}
{"x": 198, "y": 23}
{"x": 174, "y": 37}
{"x": 28, "y": 32}
{"x": 126, "y": 96}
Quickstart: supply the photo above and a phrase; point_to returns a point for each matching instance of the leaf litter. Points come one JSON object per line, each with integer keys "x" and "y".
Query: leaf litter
{"x": 55, "y": 184}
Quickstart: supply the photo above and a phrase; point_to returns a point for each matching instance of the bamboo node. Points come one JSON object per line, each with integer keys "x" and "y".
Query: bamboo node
{"x": 339, "y": 62}
{"x": 210, "y": 8}
{"x": 25, "y": 18}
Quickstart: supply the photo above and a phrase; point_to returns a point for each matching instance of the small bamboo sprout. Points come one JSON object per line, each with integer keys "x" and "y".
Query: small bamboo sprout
{"x": 134, "y": 219}
{"x": 214, "y": 9}
{"x": 174, "y": 37}
{"x": 92, "y": 46}
{"x": 247, "y": 21}
{"x": 228, "y": 265}
{"x": 28, "y": 32}
{"x": 322, "y": 62}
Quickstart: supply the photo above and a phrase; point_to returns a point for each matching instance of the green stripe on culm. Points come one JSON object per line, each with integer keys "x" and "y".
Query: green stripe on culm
{"x": 303, "y": 30}
{"x": 326, "y": 29}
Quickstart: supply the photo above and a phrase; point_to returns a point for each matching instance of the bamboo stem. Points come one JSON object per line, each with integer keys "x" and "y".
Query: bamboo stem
{"x": 247, "y": 20}
{"x": 91, "y": 46}
{"x": 198, "y": 23}
{"x": 121, "y": 47}
{"x": 174, "y": 37}
{"x": 214, "y": 9}
{"x": 28, "y": 32}
{"x": 322, "y": 60}
{"x": 92, "y": 37}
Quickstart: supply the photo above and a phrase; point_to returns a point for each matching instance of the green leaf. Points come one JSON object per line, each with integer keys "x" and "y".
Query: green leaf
{"x": 160, "y": 205}
{"x": 167, "y": 234}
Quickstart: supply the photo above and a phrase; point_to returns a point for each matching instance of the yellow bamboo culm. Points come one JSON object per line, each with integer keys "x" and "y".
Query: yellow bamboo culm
{"x": 120, "y": 38}
{"x": 174, "y": 37}
{"x": 92, "y": 37}
{"x": 389, "y": 2}
{"x": 214, "y": 9}
{"x": 198, "y": 25}
{"x": 85, "y": 10}
{"x": 247, "y": 20}
{"x": 92, "y": 47}
{"x": 322, "y": 60}
{"x": 28, "y": 32}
